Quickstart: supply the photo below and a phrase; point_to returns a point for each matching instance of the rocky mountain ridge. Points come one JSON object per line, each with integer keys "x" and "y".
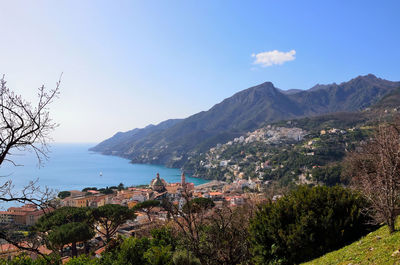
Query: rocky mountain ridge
{"x": 172, "y": 142}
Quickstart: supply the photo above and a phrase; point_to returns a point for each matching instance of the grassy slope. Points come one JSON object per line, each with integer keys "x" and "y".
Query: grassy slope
{"x": 378, "y": 247}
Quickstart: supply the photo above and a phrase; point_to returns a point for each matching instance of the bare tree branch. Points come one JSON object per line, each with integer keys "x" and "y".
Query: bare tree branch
{"x": 25, "y": 127}
{"x": 375, "y": 171}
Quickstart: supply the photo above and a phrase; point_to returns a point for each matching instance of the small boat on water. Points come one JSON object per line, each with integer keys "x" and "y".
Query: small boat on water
{"x": 101, "y": 174}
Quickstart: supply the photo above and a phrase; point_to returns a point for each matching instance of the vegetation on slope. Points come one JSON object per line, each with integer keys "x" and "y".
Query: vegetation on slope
{"x": 316, "y": 157}
{"x": 378, "y": 247}
{"x": 306, "y": 223}
{"x": 275, "y": 158}
{"x": 247, "y": 110}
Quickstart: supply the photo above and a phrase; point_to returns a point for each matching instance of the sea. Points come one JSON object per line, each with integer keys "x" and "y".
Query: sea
{"x": 74, "y": 167}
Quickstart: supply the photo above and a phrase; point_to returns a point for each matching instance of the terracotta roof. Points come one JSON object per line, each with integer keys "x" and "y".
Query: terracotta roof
{"x": 13, "y": 213}
{"x": 215, "y": 193}
{"x": 7, "y": 248}
{"x": 100, "y": 250}
{"x": 22, "y": 209}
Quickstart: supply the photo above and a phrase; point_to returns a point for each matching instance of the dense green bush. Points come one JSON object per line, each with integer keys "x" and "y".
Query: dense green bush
{"x": 306, "y": 223}
{"x": 23, "y": 260}
{"x": 132, "y": 251}
{"x": 184, "y": 257}
{"x": 163, "y": 237}
{"x": 330, "y": 175}
{"x": 83, "y": 260}
{"x": 158, "y": 255}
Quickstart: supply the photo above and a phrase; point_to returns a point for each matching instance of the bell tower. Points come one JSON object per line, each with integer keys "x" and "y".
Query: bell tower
{"x": 183, "y": 180}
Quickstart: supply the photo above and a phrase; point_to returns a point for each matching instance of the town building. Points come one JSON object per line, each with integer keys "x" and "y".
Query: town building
{"x": 27, "y": 214}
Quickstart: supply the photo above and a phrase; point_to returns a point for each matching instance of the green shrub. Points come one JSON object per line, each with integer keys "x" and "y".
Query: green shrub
{"x": 163, "y": 237}
{"x": 132, "y": 251}
{"x": 306, "y": 224}
{"x": 184, "y": 257}
{"x": 83, "y": 260}
{"x": 24, "y": 259}
{"x": 158, "y": 255}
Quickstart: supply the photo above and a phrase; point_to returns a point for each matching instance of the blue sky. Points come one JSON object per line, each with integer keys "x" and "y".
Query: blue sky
{"x": 127, "y": 64}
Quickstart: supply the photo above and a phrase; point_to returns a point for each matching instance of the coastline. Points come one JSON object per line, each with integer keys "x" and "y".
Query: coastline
{"x": 72, "y": 166}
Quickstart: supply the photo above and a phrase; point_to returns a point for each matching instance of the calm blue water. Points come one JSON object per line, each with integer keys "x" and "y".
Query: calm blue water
{"x": 72, "y": 166}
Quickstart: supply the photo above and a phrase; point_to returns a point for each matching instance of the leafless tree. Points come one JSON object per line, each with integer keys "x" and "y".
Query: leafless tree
{"x": 189, "y": 221}
{"x": 227, "y": 236}
{"x": 375, "y": 171}
{"x": 216, "y": 235}
{"x": 25, "y": 126}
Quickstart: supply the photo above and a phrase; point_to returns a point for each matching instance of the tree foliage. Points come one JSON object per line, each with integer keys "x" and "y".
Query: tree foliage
{"x": 146, "y": 207}
{"x": 198, "y": 205}
{"x": 24, "y": 259}
{"x": 63, "y": 194}
{"x": 185, "y": 257}
{"x": 307, "y": 223}
{"x": 163, "y": 236}
{"x": 89, "y": 188}
{"x": 70, "y": 233}
{"x": 61, "y": 216}
{"x": 83, "y": 260}
{"x": 132, "y": 251}
{"x": 110, "y": 217}
{"x": 65, "y": 225}
{"x": 158, "y": 255}
{"x": 329, "y": 175}
{"x": 106, "y": 190}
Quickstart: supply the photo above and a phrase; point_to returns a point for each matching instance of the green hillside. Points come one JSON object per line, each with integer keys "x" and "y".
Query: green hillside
{"x": 172, "y": 143}
{"x": 378, "y": 247}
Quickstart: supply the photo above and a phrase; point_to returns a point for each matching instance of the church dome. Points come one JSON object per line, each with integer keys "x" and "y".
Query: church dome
{"x": 158, "y": 184}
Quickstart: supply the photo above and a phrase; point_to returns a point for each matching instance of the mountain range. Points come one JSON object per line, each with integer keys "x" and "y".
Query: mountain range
{"x": 173, "y": 141}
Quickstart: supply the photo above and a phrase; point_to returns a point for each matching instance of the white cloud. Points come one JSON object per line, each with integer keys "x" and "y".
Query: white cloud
{"x": 273, "y": 57}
